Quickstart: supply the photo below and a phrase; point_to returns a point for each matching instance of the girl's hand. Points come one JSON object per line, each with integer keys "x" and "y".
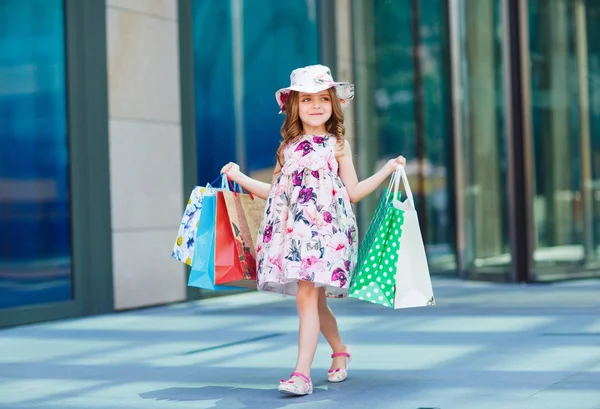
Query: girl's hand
{"x": 392, "y": 164}
{"x": 232, "y": 170}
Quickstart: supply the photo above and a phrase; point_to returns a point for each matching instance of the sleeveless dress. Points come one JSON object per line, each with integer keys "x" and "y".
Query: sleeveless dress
{"x": 308, "y": 231}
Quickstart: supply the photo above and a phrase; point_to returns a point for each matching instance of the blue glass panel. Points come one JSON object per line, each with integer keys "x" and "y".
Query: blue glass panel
{"x": 213, "y": 87}
{"x": 394, "y": 78}
{"x": 395, "y": 105}
{"x": 279, "y": 36}
{"x": 35, "y": 242}
{"x": 275, "y": 37}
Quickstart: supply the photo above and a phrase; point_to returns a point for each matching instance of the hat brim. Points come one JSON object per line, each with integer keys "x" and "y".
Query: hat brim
{"x": 344, "y": 91}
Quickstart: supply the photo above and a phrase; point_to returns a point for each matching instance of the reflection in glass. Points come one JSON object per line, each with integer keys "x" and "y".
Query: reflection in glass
{"x": 237, "y": 72}
{"x": 482, "y": 135}
{"x": 394, "y": 84}
{"x": 278, "y": 37}
{"x": 592, "y": 35}
{"x": 560, "y": 131}
{"x": 213, "y": 87}
{"x": 35, "y": 241}
{"x": 564, "y": 49}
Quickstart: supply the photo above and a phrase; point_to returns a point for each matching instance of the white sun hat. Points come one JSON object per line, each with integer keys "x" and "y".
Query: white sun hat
{"x": 312, "y": 79}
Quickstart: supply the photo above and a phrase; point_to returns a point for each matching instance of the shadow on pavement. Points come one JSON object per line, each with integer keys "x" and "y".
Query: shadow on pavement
{"x": 228, "y": 397}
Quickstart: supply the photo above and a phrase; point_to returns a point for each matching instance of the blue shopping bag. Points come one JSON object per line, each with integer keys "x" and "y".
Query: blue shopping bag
{"x": 202, "y": 274}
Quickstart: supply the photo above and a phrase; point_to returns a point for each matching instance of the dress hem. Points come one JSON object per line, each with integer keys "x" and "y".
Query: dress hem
{"x": 290, "y": 287}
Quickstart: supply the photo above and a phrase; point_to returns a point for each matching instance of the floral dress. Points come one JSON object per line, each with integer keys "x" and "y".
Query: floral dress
{"x": 308, "y": 231}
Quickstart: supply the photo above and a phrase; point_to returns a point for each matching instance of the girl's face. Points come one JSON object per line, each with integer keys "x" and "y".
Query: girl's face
{"x": 314, "y": 111}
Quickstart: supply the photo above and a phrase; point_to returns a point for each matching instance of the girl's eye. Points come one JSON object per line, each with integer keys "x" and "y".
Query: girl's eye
{"x": 325, "y": 98}
{"x": 306, "y": 100}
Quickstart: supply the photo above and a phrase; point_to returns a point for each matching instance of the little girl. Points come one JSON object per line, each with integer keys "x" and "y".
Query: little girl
{"x": 307, "y": 242}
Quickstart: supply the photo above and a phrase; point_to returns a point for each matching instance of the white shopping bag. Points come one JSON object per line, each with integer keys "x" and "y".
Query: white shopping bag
{"x": 413, "y": 282}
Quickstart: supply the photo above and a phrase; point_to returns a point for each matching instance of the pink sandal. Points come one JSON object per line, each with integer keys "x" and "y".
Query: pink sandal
{"x": 290, "y": 387}
{"x": 339, "y": 374}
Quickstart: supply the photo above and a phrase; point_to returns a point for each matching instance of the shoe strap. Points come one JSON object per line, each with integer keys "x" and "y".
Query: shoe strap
{"x": 346, "y": 354}
{"x": 301, "y": 376}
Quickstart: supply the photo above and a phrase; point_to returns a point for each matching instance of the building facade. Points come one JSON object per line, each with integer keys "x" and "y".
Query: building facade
{"x": 111, "y": 111}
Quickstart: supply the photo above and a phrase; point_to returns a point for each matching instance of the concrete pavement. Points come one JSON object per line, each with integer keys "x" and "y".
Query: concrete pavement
{"x": 484, "y": 346}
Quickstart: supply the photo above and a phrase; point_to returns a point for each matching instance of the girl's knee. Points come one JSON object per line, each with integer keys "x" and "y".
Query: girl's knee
{"x": 322, "y": 300}
{"x": 307, "y": 291}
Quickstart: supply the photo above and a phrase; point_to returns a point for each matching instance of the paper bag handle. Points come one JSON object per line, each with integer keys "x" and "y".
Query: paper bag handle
{"x": 401, "y": 174}
{"x": 233, "y": 186}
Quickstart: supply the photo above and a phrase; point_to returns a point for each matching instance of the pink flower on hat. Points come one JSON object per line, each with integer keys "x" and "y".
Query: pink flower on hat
{"x": 283, "y": 98}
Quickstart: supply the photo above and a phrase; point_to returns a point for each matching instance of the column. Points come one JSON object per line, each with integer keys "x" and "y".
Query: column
{"x": 145, "y": 151}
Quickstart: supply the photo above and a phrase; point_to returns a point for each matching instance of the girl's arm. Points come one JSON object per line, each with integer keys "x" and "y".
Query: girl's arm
{"x": 358, "y": 190}
{"x": 256, "y": 187}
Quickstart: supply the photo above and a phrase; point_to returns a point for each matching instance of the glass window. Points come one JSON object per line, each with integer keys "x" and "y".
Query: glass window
{"x": 395, "y": 84}
{"x": 564, "y": 49}
{"x": 592, "y": 12}
{"x": 237, "y": 73}
{"x": 279, "y": 36}
{"x": 481, "y": 139}
{"x": 213, "y": 87}
{"x": 35, "y": 240}
{"x": 437, "y": 185}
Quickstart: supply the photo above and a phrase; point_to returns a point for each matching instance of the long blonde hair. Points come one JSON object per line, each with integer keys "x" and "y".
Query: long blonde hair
{"x": 292, "y": 129}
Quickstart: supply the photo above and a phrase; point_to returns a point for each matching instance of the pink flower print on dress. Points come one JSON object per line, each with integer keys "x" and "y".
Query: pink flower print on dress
{"x": 314, "y": 217}
{"x": 337, "y": 242}
{"x": 318, "y": 140}
{"x": 276, "y": 261}
{"x": 303, "y": 231}
{"x": 309, "y": 223}
{"x": 339, "y": 275}
{"x": 297, "y": 178}
{"x": 279, "y": 189}
{"x": 268, "y": 233}
{"x": 308, "y": 261}
{"x": 313, "y": 264}
{"x": 305, "y": 147}
{"x": 305, "y": 195}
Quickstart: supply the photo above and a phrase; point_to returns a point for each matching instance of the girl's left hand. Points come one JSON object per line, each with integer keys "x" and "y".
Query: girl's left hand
{"x": 392, "y": 164}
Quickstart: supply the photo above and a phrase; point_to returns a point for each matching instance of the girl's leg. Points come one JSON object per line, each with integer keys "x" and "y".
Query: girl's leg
{"x": 330, "y": 330}
{"x": 307, "y": 302}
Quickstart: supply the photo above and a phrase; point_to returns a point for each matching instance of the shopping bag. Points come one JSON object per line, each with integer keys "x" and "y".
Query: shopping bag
{"x": 183, "y": 249}
{"x": 413, "y": 282}
{"x": 241, "y": 233}
{"x": 202, "y": 274}
{"x": 228, "y": 267}
{"x": 392, "y": 269}
{"x": 254, "y": 208}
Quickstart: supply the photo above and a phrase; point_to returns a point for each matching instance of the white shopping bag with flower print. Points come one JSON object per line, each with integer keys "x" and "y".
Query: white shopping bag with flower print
{"x": 183, "y": 249}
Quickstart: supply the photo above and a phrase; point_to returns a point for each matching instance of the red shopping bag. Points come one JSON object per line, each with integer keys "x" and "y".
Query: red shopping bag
{"x": 241, "y": 232}
{"x": 228, "y": 268}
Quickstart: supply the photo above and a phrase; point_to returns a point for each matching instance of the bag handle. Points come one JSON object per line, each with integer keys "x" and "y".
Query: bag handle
{"x": 392, "y": 186}
{"x": 233, "y": 186}
{"x": 227, "y": 184}
{"x": 401, "y": 174}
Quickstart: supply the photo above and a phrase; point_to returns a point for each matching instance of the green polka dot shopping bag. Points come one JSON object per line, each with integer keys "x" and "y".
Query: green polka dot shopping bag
{"x": 392, "y": 265}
